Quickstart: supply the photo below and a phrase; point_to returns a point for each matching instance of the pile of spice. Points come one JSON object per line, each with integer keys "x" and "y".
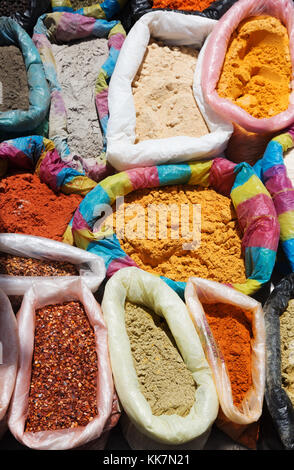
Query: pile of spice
{"x": 198, "y": 5}
{"x": 78, "y": 65}
{"x": 14, "y": 90}
{"x": 257, "y": 70}
{"x": 63, "y": 390}
{"x": 163, "y": 94}
{"x": 29, "y": 206}
{"x": 287, "y": 349}
{"x": 9, "y": 7}
{"x": 21, "y": 266}
{"x": 219, "y": 256}
{"x": 77, "y": 4}
{"x": 164, "y": 378}
{"x": 233, "y": 334}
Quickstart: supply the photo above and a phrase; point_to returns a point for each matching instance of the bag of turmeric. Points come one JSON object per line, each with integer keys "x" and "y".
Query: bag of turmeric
{"x": 8, "y": 357}
{"x": 161, "y": 376}
{"x": 232, "y": 332}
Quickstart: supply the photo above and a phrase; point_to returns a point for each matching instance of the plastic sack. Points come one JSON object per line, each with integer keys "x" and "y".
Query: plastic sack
{"x": 122, "y": 153}
{"x": 215, "y": 54}
{"x": 165, "y": 431}
{"x": 106, "y": 9}
{"x": 278, "y": 402}
{"x": 27, "y": 19}
{"x": 254, "y": 208}
{"x": 8, "y": 357}
{"x": 39, "y": 153}
{"x": 17, "y": 122}
{"x": 272, "y": 170}
{"x": 232, "y": 420}
{"x": 52, "y": 293}
{"x": 62, "y": 28}
{"x": 91, "y": 267}
{"x": 137, "y": 8}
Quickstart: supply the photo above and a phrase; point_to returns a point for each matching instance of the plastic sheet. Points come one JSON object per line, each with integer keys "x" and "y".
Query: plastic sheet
{"x": 27, "y": 20}
{"x": 215, "y": 54}
{"x": 91, "y": 267}
{"x": 64, "y": 27}
{"x": 122, "y": 152}
{"x": 253, "y": 204}
{"x": 234, "y": 420}
{"x": 59, "y": 292}
{"x": 150, "y": 431}
{"x": 17, "y": 122}
{"x": 8, "y": 357}
{"x": 278, "y": 402}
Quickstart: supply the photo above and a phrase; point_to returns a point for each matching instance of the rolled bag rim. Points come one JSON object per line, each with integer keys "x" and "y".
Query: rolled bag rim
{"x": 277, "y": 400}
{"x": 107, "y": 9}
{"x": 17, "y": 121}
{"x": 221, "y": 175}
{"x": 281, "y": 9}
{"x": 136, "y": 285}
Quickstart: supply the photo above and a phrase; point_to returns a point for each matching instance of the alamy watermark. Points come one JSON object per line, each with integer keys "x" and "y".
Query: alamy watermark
{"x": 154, "y": 222}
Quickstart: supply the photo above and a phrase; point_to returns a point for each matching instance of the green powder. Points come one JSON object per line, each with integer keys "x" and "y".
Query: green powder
{"x": 164, "y": 379}
{"x": 287, "y": 349}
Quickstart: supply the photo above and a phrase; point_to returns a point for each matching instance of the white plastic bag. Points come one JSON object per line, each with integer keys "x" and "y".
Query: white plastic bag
{"x": 175, "y": 29}
{"x": 215, "y": 55}
{"x": 51, "y": 293}
{"x": 8, "y": 357}
{"x": 198, "y": 291}
{"x": 145, "y": 430}
{"x": 91, "y": 267}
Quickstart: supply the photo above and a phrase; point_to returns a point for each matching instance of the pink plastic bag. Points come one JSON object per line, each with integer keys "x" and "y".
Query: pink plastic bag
{"x": 214, "y": 57}
{"x": 108, "y": 412}
{"x": 8, "y": 357}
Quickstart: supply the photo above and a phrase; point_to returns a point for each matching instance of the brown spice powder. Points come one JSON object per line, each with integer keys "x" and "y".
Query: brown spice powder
{"x": 63, "y": 391}
{"x": 287, "y": 349}
{"x": 219, "y": 256}
{"x": 164, "y": 378}
{"x": 21, "y": 266}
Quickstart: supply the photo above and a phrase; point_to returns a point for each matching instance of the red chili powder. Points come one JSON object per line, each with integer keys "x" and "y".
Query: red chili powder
{"x": 233, "y": 333}
{"x": 198, "y": 5}
{"x": 29, "y": 206}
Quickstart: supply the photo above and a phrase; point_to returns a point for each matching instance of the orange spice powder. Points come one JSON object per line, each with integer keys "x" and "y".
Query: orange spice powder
{"x": 192, "y": 5}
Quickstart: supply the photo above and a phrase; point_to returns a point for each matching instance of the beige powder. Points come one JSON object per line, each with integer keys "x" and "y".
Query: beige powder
{"x": 287, "y": 349}
{"x": 163, "y": 95}
{"x": 164, "y": 379}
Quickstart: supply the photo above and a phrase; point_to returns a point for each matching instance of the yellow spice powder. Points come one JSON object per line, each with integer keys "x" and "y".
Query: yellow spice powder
{"x": 257, "y": 70}
{"x": 219, "y": 256}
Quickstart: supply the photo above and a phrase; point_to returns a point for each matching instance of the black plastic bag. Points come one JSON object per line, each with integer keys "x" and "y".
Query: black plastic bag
{"x": 278, "y": 402}
{"x": 25, "y": 17}
{"x": 134, "y": 9}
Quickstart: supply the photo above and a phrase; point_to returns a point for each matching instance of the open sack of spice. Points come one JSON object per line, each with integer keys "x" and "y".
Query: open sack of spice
{"x": 157, "y": 79}
{"x": 25, "y": 97}
{"x": 79, "y": 54}
{"x": 206, "y": 8}
{"x": 279, "y": 327}
{"x": 232, "y": 240}
{"x": 161, "y": 376}
{"x": 248, "y": 73}
{"x": 27, "y": 260}
{"x": 102, "y": 10}
{"x": 232, "y": 332}
{"x": 8, "y": 357}
{"x": 64, "y": 395}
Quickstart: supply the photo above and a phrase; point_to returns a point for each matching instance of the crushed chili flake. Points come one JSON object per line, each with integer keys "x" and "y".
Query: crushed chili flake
{"x": 22, "y": 266}
{"x": 63, "y": 391}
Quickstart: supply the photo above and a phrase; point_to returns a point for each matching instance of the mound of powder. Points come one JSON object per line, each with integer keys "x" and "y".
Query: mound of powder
{"x": 78, "y": 64}
{"x": 31, "y": 207}
{"x": 287, "y": 349}
{"x": 257, "y": 68}
{"x": 219, "y": 256}
{"x": 164, "y": 378}
{"x": 163, "y": 94}
{"x": 14, "y": 90}
{"x": 77, "y": 4}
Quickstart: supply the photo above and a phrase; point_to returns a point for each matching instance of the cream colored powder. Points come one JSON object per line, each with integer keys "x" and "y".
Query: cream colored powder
{"x": 287, "y": 349}
{"x": 163, "y": 94}
{"x": 164, "y": 379}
